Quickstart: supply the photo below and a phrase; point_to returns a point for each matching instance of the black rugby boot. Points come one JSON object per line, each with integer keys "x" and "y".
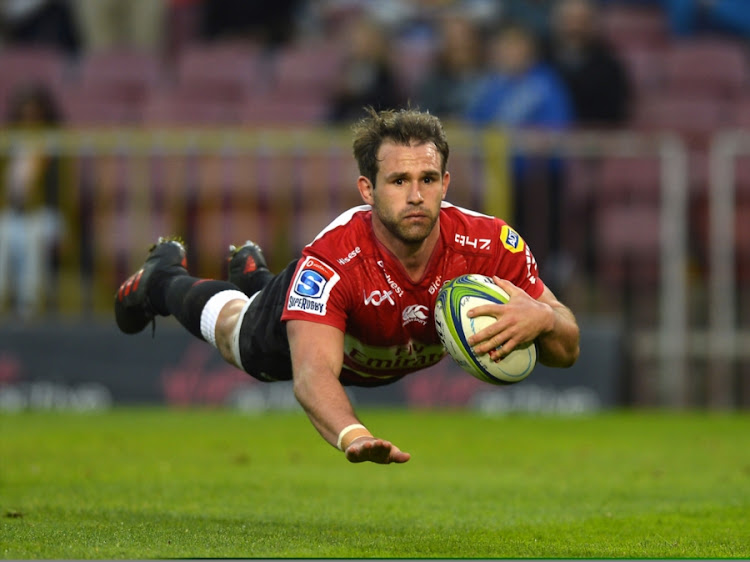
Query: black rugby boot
{"x": 247, "y": 268}
{"x": 133, "y": 308}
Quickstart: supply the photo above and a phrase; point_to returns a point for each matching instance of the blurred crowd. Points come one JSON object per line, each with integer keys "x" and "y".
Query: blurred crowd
{"x": 544, "y": 64}
{"x": 518, "y": 63}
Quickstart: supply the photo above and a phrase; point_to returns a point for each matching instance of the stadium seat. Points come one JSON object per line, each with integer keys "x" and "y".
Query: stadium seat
{"x": 626, "y": 25}
{"x": 741, "y": 112}
{"x": 695, "y": 118}
{"x": 581, "y": 179}
{"x": 645, "y": 68}
{"x": 742, "y": 179}
{"x": 121, "y": 74}
{"x": 629, "y": 230}
{"x": 175, "y": 108}
{"x": 224, "y": 71}
{"x": 636, "y": 179}
{"x": 305, "y": 69}
{"x": 712, "y": 67}
{"x": 283, "y": 110}
{"x": 23, "y": 64}
{"x": 628, "y": 245}
{"x": 85, "y": 107}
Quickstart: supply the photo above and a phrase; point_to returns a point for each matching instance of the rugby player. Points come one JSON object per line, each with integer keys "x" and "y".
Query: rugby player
{"x": 357, "y": 307}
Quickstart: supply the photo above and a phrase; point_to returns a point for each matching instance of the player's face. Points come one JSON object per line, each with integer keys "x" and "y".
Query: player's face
{"x": 408, "y": 190}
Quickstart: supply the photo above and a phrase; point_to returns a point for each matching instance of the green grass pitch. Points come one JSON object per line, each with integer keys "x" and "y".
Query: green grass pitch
{"x": 157, "y": 483}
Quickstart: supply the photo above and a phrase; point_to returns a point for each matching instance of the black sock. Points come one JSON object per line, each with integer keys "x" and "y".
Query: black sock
{"x": 255, "y": 281}
{"x": 185, "y": 297}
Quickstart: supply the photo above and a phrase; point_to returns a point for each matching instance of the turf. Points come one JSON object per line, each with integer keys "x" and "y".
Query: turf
{"x": 154, "y": 483}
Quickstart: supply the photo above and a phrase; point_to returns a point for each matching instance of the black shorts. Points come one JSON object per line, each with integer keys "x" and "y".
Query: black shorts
{"x": 264, "y": 346}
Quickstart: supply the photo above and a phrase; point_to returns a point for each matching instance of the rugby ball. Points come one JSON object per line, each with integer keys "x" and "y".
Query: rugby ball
{"x": 454, "y": 327}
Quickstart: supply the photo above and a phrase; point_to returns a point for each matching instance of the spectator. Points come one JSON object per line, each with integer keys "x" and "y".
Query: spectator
{"x": 110, "y": 24}
{"x": 533, "y": 15}
{"x": 452, "y": 82}
{"x": 30, "y": 223}
{"x": 690, "y": 17}
{"x": 595, "y": 78}
{"x": 521, "y": 92}
{"x": 270, "y": 23}
{"x": 48, "y": 23}
{"x": 367, "y": 77}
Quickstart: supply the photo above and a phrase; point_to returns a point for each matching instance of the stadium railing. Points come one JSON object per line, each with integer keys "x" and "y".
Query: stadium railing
{"x": 726, "y": 346}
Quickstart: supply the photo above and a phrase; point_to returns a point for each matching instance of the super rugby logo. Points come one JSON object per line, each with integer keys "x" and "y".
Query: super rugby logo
{"x": 414, "y": 313}
{"x": 312, "y": 287}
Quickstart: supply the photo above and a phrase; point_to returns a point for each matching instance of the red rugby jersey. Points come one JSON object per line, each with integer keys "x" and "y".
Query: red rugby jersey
{"x": 348, "y": 279}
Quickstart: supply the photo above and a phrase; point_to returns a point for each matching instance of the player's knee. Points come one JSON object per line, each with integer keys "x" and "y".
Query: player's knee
{"x": 227, "y": 325}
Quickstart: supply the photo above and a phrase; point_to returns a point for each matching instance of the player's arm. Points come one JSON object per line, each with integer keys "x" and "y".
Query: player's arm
{"x": 525, "y": 319}
{"x": 317, "y": 358}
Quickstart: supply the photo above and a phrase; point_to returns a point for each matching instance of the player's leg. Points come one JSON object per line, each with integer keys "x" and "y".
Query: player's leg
{"x": 214, "y": 311}
{"x": 251, "y": 334}
{"x": 163, "y": 287}
{"x": 247, "y": 268}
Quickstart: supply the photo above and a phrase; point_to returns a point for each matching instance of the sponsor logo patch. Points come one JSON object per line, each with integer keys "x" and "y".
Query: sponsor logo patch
{"x": 435, "y": 285}
{"x": 391, "y": 282}
{"x": 350, "y": 256}
{"x": 415, "y": 313}
{"x": 477, "y": 243}
{"x": 511, "y": 240}
{"x": 370, "y": 361}
{"x": 312, "y": 286}
{"x": 376, "y": 298}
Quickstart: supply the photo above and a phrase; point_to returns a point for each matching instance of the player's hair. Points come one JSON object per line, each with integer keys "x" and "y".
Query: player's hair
{"x": 404, "y": 127}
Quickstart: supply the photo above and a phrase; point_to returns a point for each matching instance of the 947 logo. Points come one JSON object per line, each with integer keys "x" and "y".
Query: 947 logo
{"x": 478, "y": 243}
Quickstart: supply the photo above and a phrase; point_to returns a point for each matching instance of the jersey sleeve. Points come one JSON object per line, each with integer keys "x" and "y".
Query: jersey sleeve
{"x": 317, "y": 294}
{"x": 516, "y": 263}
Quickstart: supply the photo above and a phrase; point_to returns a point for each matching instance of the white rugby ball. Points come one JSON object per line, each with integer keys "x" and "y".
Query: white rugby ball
{"x": 454, "y": 327}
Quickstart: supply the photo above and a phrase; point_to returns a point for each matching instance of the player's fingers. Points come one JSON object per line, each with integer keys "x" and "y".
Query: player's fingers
{"x": 490, "y": 309}
{"x": 506, "y": 285}
{"x": 377, "y": 451}
{"x": 502, "y": 351}
{"x": 374, "y": 450}
{"x": 488, "y": 340}
{"x": 399, "y": 456}
{"x": 499, "y": 326}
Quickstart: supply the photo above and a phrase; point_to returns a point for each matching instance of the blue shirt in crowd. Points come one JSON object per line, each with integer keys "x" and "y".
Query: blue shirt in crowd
{"x": 537, "y": 98}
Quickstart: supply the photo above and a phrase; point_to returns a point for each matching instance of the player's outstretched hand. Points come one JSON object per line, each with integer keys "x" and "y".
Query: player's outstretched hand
{"x": 375, "y": 450}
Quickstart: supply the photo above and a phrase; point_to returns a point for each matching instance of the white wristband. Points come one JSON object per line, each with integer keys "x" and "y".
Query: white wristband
{"x": 346, "y": 430}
